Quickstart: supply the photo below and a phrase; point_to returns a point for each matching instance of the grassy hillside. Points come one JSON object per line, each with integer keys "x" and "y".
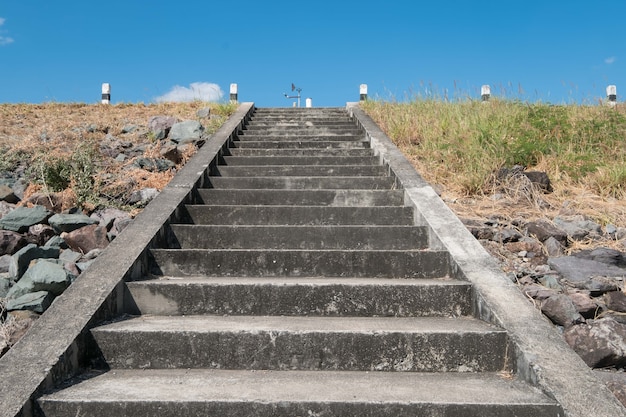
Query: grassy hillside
{"x": 459, "y": 146}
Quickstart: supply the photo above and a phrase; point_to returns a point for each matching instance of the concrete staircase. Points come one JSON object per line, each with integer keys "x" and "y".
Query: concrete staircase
{"x": 299, "y": 285}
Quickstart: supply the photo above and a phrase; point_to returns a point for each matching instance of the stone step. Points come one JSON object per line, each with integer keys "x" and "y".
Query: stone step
{"x": 302, "y": 130}
{"x": 299, "y": 137}
{"x": 261, "y": 123}
{"x": 301, "y": 263}
{"x": 301, "y": 144}
{"x": 300, "y": 160}
{"x": 295, "y": 215}
{"x": 300, "y": 152}
{"x": 193, "y": 236}
{"x": 307, "y": 296}
{"x": 319, "y": 183}
{"x": 207, "y": 392}
{"x": 301, "y": 171}
{"x": 413, "y": 344}
{"x": 333, "y": 198}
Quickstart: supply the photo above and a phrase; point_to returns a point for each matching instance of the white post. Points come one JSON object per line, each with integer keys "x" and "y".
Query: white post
{"x": 233, "y": 92}
{"x": 611, "y": 95}
{"x": 106, "y": 93}
{"x": 485, "y": 92}
{"x": 309, "y": 103}
{"x": 363, "y": 92}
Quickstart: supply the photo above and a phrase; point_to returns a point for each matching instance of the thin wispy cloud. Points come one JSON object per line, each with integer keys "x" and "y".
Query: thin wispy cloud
{"x": 196, "y": 91}
{"x": 4, "y": 40}
{"x": 610, "y": 60}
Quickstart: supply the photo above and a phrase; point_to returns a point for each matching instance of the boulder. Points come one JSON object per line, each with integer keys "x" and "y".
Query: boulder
{"x": 616, "y": 301}
{"x": 154, "y": 164}
{"x": 20, "y": 219}
{"x": 22, "y": 258}
{"x": 39, "y": 234}
{"x": 7, "y": 194}
{"x": 601, "y": 343}
{"x": 204, "y": 113}
{"x": 5, "y": 263}
{"x": 34, "y": 301}
{"x": 69, "y": 222}
{"x": 605, "y": 255}
{"x": 575, "y": 269}
{"x": 553, "y": 247}
{"x": 143, "y": 196}
{"x": 577, "y": 227}
{"x": 5, "y": 286}
{"x": 114, "y": 220}
{"x": 543, "y": 229}
{"x": 87, "y": 238}
{"x": 160, "y": 126}
{"x": 186, "y": 132}
{"x": 42, "y": 276}
{"x": 11, "y": 242}
{"x": 585, "y": 305}
{"x": 561, "y": 310}
{"x": 56, "y": 242}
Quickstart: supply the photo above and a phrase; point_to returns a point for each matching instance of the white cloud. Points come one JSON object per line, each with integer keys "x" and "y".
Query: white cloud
{"x": 610, "y": 60}
{"x": 4, "y": 40}
{"x": 196, "y": 91}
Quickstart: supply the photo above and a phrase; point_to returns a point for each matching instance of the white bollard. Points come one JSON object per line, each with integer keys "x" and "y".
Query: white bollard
{"x": 363, "y": 92}
{"x": 106, "y": 93}
{"x": 485, "y": 92}
{"x": 233, "y": 92}
{"x": 309, "y": 103}
{"x": 611, "y": 95}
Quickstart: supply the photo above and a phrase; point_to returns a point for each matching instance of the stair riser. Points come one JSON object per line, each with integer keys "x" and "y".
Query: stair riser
{"x": 302, "y": 137}
{"x": 300, "y": 160}
{"x": 171, "y": 299}
{"x": 260, "y": 263}
{"x": 302, "y": 144}
{"x": 261, "y": 124}
{"x": 301, "y": 171}
{"x": 281, "y": 350}
{"x": 201, "y": 408}
{"x": 300, "y": 183}
{"x": 310, "y": 237}
{"x": 299, "y": 152}
{"x": 331, "y": 198}
{"x": 294, "y": 215}
{"x": 308, "y": 131}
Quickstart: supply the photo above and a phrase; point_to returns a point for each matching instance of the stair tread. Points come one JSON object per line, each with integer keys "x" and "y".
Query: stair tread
{"x": 204, "y": 385}
{"x": 300, "y": 324}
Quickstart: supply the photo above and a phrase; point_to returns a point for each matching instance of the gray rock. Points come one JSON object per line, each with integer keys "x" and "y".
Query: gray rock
{"x": 36, "y": 301}
{"x": 87, "y": 238}
{"x": 615, "y": 381}
{"x": 550, "y": 281}
{"x": 42, "y": 276}
{"x": 585, "y": 305}
{"x": 171, "y": 153}
{"x": 577, "y": 227}
{"x": 143, "y": 196}
{"x": 5, "y": 263}
{"x": 39, "y": 234}
{"x": 20, "y": 219}
{"x": 204, "y": 113}
{"x": 19, "y": 187}
{"x": 616, "y": 301}
{"x": 154, "y": 164}
{"x": 114, "y": 220}
{"x": 129, "y": 128}
{"x": 5, "y": 286}
{"x": 543, "y": 229}
{"x": 185, "y": 132}
{"x": 575, "y": 269}
{"x": 601, "y": 343}
{"x": 69, "y": 222}
{"x": 6, "y": 208}
{"x": 610, "y": 229}
{"x": 561, "y": 310}
{"x": 84, "y": 265}
{"x": 22, "y": 258}
{"x": 538, "y": 292}
{"x": 605, "y": 255}
{"x": 553, "y": 247}
{"x": 11, "y": 242}
{"x": 7, "y": 194}
{"x": 70, "y": 256}
{"x": 161, "y": 122}
{"x": 56, "y": 242}
{"x": 507, "y": 235}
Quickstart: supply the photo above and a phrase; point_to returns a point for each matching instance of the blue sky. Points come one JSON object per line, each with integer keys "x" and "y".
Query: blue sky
{"x": 554, "y": 51}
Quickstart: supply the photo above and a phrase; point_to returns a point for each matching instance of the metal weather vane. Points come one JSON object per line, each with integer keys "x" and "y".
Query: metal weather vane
{"x": 294, "y": 88}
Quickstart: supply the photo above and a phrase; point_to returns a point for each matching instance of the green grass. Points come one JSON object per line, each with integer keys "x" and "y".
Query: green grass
{"x": 464, "y": 143}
